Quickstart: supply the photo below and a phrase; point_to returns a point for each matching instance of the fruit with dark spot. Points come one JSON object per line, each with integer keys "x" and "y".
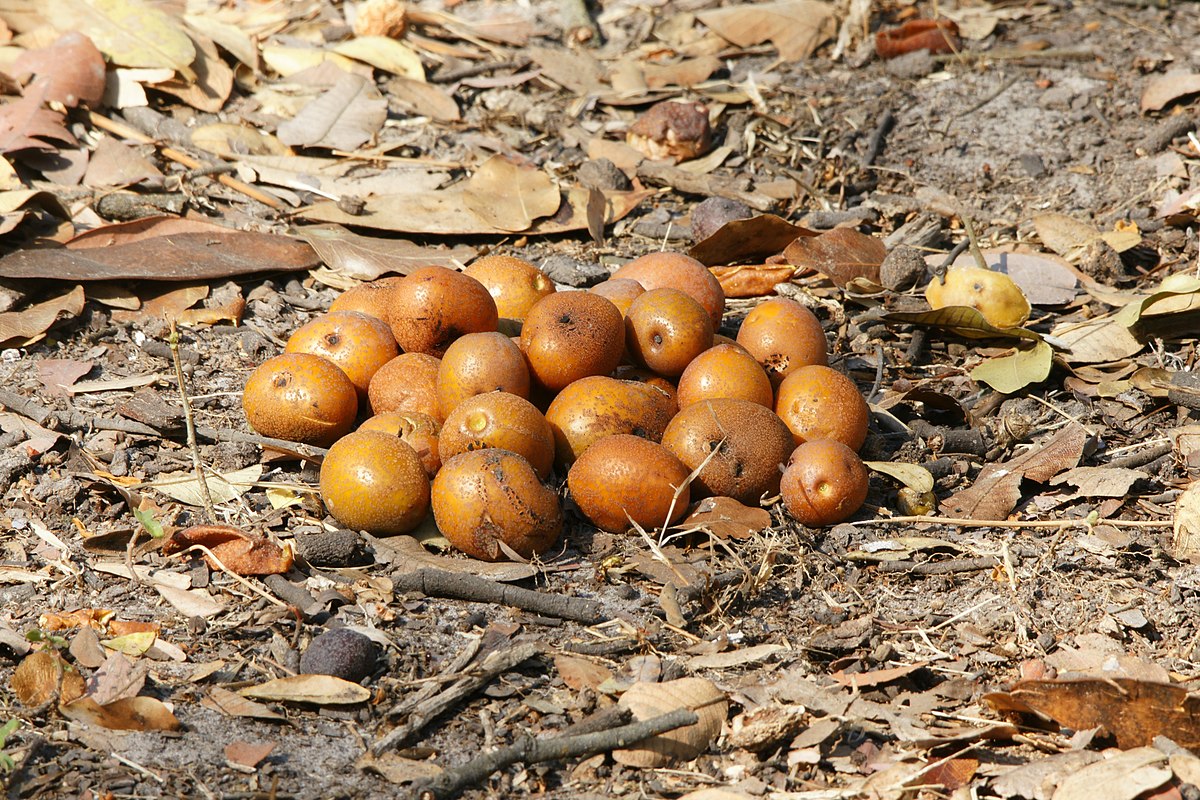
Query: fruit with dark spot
{"x": 825, "y": 483}
{"x": 749, "y": 441}
{"x": 784, "y": 336}
{"x": 677, "y": 271}
{"x": 373, "y": 298}
{"x": 665, "y": 329}
{"x": 818, "y": 402}
{"x": 302, "y": 398}
{"x": 592, "y": 408}
{"x": 514, "y": 283}
{"x": 358, "y": 343}
{"x": 623, "y": 477}
{"x": 375, "y": 482}
{"x": 725, "y": 370}
{"x": 433, "y": 306}
{"x": 340, "y": 652}
{"x": 419, "y": 431}
{"x": 484, "y": 497}
{"x": 406, "y": 383}
{"x": 572, "y": 335}
{"x": 500, "y": 420}
{"x": 479, "y": 363}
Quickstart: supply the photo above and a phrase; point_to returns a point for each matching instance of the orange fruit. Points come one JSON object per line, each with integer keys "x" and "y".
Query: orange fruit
{"x": 665, "y": 329}
{"x": 726, "y": 370}
{"x": 513, "y": 283}
{"x": 624, "y": 477}
{"x": 621, "y": 291}
{"x": 598, "y": 406}
{"x": 478, "y": 363}
{"x": 818, "y": 402}
{"x": 419, "y": 431}
{"x": 372, "y": 481}
{"x": 500, "y": 420}
{"x": 677, "y": 271}
{"x": 406, "y": 383}
{"x": 433, "y": 306}
{"x": 358, "y": 343}
{"x": 373, "y": 298}
{"x": 302, "y": 398}
{"x": 572, "y": 335}
{"x": 825, "y": 483}
{"x": 783, "y": 335}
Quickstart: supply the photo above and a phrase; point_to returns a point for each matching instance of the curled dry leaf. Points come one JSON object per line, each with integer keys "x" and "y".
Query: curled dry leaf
{"x": 30, "y": 323}
{"x": 42, "y": 675}
{"x": 751, "y": 280}
{"x": 26, "y": 125}
{"x": 726, "y": 518}
{"x": 322, "y": 690}
{"x": 128, "y": 714}
{"x": 239, "y": 551}
{"x": 934, "y": 35}
{"x": 73, "y": 67}
{"x": 747, "y": 239}
{"x": 509, "y": 195}
{"x": 1163, "y": 89}
{"x": 647, "y": 700}
{"x": 843, "y": 254}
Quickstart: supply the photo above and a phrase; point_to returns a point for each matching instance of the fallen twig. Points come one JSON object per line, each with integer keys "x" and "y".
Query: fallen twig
{"x": 663, "y": 174}
{"x": 949, "y": 566}
{"x": 458, "y": 586}
{"x": 1053, "y": 524}
{"x": 190, "y": 423}
{"x": 530, "y": 750}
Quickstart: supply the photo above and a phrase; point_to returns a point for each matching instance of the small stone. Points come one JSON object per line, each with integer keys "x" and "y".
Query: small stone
{"x": 710, "y": 215}
{"x": 573, "y": 272}
{"x": 1032, "y": 164}
{"x": 913, "y": 65}
{"x": 602, "y": 174}
{"x": 342, "y": 653}
{"x": 902, "y": 268}
{"x": 340, "y": 548}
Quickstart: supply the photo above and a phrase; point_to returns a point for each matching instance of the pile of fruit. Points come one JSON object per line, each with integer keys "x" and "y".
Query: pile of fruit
{"x": 626, "y": 390}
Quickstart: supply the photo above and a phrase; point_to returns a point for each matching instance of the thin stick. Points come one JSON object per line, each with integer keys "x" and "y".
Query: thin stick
{"x": 974, "y": 240}
{"x": 1001, "y": 523}
{"x": 205, "y": 495}
{"x": 270, "y": 598}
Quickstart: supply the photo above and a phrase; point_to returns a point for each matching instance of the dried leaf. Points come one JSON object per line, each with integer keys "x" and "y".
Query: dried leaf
{"x": 235, "y": 705}
{"x": 114, "y": 163}
{"x": 735, "y": 658}
{"x": 35, "y": 320}
{"x": 960, "y": 320}
{"x": 41, "y": 675}
{"x": 213, "y": 81}
{"x": 647, "y": 700}
{"x": 1095, "y": 341}
{"x": 687, "y": 72}
{"x": 57, "y": 375}
{"x": 229, "y": 139}
{"x": 751, "y": 280}
{"x": 842, "y": 254}
{"x": 409, "y": 552}
{"x": 948, "y": 776}
{"x": 726, "y": 518}
{"x": 424, "y": 99}
{"x": 998, "y": 488}
{"x": 73, "y": 67}
{"x": 1011, "y": 373}
{"x": 26, "y": 125}
{"x": 384, "y": 53}
{"x": 345, "y": 117}
{"x": 1185, "y": 543}
{"x": 240, "y": 552}
{"x": 747, "y": 239}
{"x": 795, "y": 27}
{"x": 932, "y": 35}
{"x": 509, "y": 196}
{"x": 1163, "y": 89}
{"x": 116, "y": 679}
{"x": 190, "y": 602}
{"x": 232, "y": 38}
{"x": 575, "y": 70}
{"x": 129, "y": 714}
{"x": 862, "y": 680}
{"x": 144, "y": 228}
{"x": 167, "y": 305}
{"x": 1099, "y": 481}
{"x": 131, "y": 33}
{"x": 580, "y": 673}
{"x": 132, "y": 644}
{"x": 248, "y": 754}
{"x": 322, "y": 690}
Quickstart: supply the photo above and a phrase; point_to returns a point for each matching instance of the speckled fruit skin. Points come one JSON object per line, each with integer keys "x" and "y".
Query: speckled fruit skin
{"x": 300, "y": 397}
{"x": 373, "y": 298}
{"x": 624, "y": 474}
{"x": 784, "y": 336}
{"x": 513, "y": 283}
{"x": 406, "y": 383}
{"x": 374, "y": 482}
{"x": 486, "y": 496}
{"x": 621, "y": 291}
{"x": 500, "y": 420}
{"x": 825, "y": 483}
{"x": 572, "y": 335}
{"x": 751, "y": 444}
{"x": 677, "y": 271}
{"x": 419, "y": 431}
{"x": 817, "y": 402}
{"x": 479, "y": 363}
{"x": 725, "y": 370}
{"x": 433, "y": 306}
{"x": 599, "y": 406}
{"x": 358, "y": 343}
{"x": 665, "y": 329}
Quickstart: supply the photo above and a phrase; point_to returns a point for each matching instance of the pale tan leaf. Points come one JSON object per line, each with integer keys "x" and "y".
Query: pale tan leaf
{"x": 647, "y": 700}
{"x": 580, "y": 673}
{"x": 1095, "y": 341}
{"x": 795, "y": 27}
{"x": 37, "y": 319}
{"x": 368, "y": 257}
{"x": 1163, "y": 89}
{"x": 424, "y": 99}
{"x": 345, "y": 117}
{"x": 1185, "y": 543}
{"x": 131, "y": 33}
{"x": 509, "y": 195}
{"x": 234, "y": 705}
{"x": 914, "y": 476}
{"x": 383, "y": 53}
{"x": 1123, "y": 776}
{"x": 184, "y": 486}
{"x": 209, "y": 88}
{"x": 129, "y": 714}
{"x": 230, "y": 37}
{"x": 227, "y": 139}
{"x": 317, "y": 689}
{"x": 735, "y": 658}
{"x": 1099, "y": 481}
{"x": 190, "y": 602}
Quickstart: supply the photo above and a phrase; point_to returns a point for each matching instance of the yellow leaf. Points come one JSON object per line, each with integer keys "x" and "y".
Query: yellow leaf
{"x": 317, "y": 689}
{"x": 386, "y": 54}
{"x": 129, "y": 32}
{"x": 132, "y": 644}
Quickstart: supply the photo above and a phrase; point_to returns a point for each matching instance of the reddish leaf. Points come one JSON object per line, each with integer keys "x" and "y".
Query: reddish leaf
{"x": 26, "y": 125}
{"x": 248, "y": 754}
{"x": 72, "y": 66}
{"x": 948, "y": 775}
{"x": 32, "y": 322}
{"x": 843, "y": 254}
{"x": 57, "y": 374}
{"x": 875, "y": 678}
{"x": 747, "y": 239}
{"x": 129, "y": 714}
{"x": 1164, "y": 89}
{"x": 934, "y": 35}
{"x": 238, "y": 550}
{"x": 751, "y": 280}
{"x": 726, "y": 518}
{"x": 144, "y": 228}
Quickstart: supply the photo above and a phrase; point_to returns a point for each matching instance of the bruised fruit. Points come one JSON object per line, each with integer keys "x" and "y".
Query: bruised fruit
{"x": 406, "y": 383}
{"x": 419, "y": 431}
{"x": 725, "y": 370}
{"x": 825, "y": 483}
{"x": 373, "y": 298}
{"x": 592, "y": 408}
{"x": 677, "y": 271}
{"x": 485, "y": 497}
{"x": 665, "y": 329}
{"x": 623, "y": 477}
{"x": 358, "y": 343}
{"x": 479, "y": 363}
{"x": 374, "y": 482}
{"x": 784, "y": 336}
{"x": 993, "y": 294}
{"x": 572, "y": 335}
{"x": 433, "y": 306}
{"x": 513, "y": 283}
{"x": 500, "y": 420}
{"x": 817, "y": 402}
{"x": 302, "y": 398}
{"x": 621, "y": 291}
{"x": 750, "y": 443}
{"x": 630, "y": 372}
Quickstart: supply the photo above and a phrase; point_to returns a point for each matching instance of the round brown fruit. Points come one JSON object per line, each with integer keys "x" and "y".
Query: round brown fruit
{"x": 489, "y": 496}
{"x": 621, "y": 291}
{"x": 784, "y": 336}
{"x": 665, "y": 329}
{"x": 592, "y": 408}
{"x": 302, "y": 398}
{"x": 623, "y": 477}
{"x": 372, "y": 481}
{"x": 725, "y": 370}
{"x": 406, "y": 383}
{"x": 677, "y": 271}
{"x": 817, "y": 402}
{"x": 501, "y": 420}
{"x": 572, "y": 335}
{"x": 629, "y": 372}
{"x": 479, "y": 363}
{"x": 825, "y": 483}
{"x": 419, "y": 431}
{"x": 751, "y": 444}
{"x": 433, "y": 306}
{"x": 358, "y": 343}
{"x": 373, "y": 298}
{"x": 513, "y": 283}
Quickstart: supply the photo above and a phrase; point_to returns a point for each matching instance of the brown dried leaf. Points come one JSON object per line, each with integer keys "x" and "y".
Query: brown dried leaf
{"x": 248, "y": 754}
{"x": 509, "y": 196}
{"x": 37, "y": 678}
{"x": 949, "y": 775}
{"x": 35, "y": 320}
{"x": 647, "y": 700}
{"x": 73, "y": 67}
{"x": 58, "y": 374}
{"x": 239, "y": 551}
{"x": 26, "y": 125}
{"x": 144, "y": 228}
{"x": 117, "y": 678}
{"x": 425, "y": 99}
{"x": 747, "y": 239}
{"x": 751, "y": 280}
{"x": 877, "y": 677}
{"x": 322, "y": 690}
{"x": 212, "y": 82}
{"x": 345, "y": 117}
{"x": 843, "y": 254}
{"x": 575, "y": 70}
{"x": 368, "y": 257}
{"x": 795, "y": 27}
{"x": 234, "y": 705}
{"x": 1163, "y": 89}
{"x": 115, "y": 163}
{"x": 998, "y": 488}
{"x": 1099, "y": 481}
{"x": 129, "y": 714}
{"x": 580, "y": 673}
{"x": 167, "y": 305}
{"x": 408, "y": 552}
{"x": 687, "y": 72}
{"x": 726, "y": 518}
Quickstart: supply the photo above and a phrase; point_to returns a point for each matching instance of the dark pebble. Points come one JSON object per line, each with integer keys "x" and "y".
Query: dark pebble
{"x": 342, "y": 653}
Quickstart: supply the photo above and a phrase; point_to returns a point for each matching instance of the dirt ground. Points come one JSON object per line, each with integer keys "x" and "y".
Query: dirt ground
{"x": 1039, "y": 115}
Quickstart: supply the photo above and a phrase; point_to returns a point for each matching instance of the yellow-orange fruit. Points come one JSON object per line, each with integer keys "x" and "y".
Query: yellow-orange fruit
{"x": 677, "y": 271}
{"x": 513, "y": 283}
{"x": 993, "y": 294}
{"x": 572, "y": 335}
{"x": 825, "y": 483}
{"x": 484, "y": 497}
{"x": 592, "y": 408}
{"x": 817, "y": 402}
{"x": 372, "y": 481}
{"x": 433, "y": 306}
{"x": 479, "y": 363}
{"x": 419, "y": 431}
{"x": 300, "y": 397}
{"x": 665, "y": 329}
{"x": 358, "y": 343}
{"x": 784, "y": 336}
{"x": 631, "y": 372}
{"x": 621, "y": 291}
{"x": 501, "y": 420}
{"x": 725, "y": 370}
{"x": 406, "y": 383}
{"x": 626, "y": 477}
{"x": 373, "y": 298}
{"x": 751, "y": 444}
